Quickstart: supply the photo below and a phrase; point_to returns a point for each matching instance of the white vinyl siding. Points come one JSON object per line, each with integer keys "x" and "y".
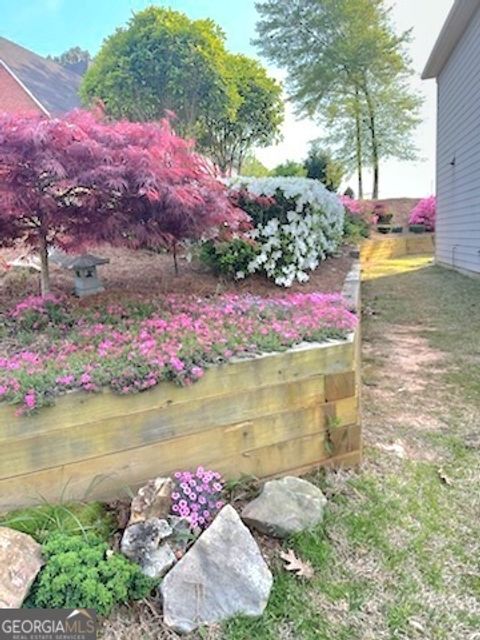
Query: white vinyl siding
{"x": 458, "y": 139}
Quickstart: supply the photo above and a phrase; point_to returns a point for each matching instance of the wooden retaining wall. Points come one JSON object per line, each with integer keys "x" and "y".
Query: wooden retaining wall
{"x": 385, "y": 248}
{"x": 277, "y": 413}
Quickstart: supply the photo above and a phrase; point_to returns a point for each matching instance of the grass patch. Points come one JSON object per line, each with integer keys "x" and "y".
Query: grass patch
{"x": 70, "y": 518}
{"x": 397, "y": 554}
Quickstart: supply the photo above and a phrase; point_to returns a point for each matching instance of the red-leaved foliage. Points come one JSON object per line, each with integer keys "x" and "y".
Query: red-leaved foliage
{"x": 80, "y": 180}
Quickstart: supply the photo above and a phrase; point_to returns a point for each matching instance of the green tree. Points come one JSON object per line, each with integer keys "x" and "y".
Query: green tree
{"x": 254, "y": 168}
{"x": 320, "y": 165}
{"x": 75, "y": 59}
{"x": 290, "y": 168}
{"x": 253, "y": 120}
{"x": 162, "y": 61}
{"x": 344, "y": 62}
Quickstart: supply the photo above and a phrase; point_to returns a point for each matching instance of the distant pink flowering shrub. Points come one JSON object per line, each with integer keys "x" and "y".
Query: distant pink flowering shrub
{"x": 353, "y": 206}
{"x": 366, "y": 209}
{"x": 197, "y": 496}
{"x": 424, "y": 213}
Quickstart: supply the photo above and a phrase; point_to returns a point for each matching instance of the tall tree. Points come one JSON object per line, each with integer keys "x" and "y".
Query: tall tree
{"x": 254, "y": 120}
{"x": 75, "y": 59}
{"x": 162, "y": 61}
{"x": 344, "y": 53}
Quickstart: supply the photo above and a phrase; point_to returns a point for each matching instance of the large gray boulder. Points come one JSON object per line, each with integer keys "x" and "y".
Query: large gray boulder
{"x": 285, "y": 507}
{"x": 222, "y": 575}
{"x": 20, "y": 561}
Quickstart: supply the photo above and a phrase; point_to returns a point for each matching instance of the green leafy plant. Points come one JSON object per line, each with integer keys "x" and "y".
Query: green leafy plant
{"x": 230, "y": 258}
{"x": 355, "y": 228}
{"x": 80, "y": 572}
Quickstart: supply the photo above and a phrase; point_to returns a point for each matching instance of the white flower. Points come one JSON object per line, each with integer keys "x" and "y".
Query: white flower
{"x": 313, "y": 228}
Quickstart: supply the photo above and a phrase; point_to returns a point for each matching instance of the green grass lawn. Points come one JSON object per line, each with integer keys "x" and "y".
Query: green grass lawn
{"x": 398, "y": 555}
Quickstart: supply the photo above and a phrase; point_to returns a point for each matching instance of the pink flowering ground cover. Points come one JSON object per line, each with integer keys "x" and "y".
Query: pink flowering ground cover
{"x": 51, "y": 346}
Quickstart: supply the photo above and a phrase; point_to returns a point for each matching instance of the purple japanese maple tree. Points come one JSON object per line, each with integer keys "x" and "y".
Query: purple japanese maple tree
{"x": 80, "y": 180}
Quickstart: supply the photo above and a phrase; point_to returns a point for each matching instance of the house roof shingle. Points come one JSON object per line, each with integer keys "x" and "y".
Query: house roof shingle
{"x": 53, "y": 86}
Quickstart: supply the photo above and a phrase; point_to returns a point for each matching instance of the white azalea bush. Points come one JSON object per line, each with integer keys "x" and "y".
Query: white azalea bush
{"x": 297, "y": 223}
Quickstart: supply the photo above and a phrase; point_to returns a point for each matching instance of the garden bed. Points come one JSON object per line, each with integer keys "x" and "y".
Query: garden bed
{"x": 262, "y": 416}
{"x": 138, "y": 274}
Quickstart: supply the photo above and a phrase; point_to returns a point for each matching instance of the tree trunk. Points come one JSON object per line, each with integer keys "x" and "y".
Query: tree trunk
{"x": 175, "y": 259}
{"x": 358, "y": 141}
{"x": 374, "y": 142}
{"x": 44, "y": 272}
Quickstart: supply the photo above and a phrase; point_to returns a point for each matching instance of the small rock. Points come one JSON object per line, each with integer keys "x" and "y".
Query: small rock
{"x": 20, "y": 561}
{"x": 285, "y": 507}
{"x": 141, "y": 543}
{"x": 182, "y": 535}
{"x": 157, "y": 563}
{"x": 144, "y": 537}
{"x": 222, "y": 575}
{"x": 153, "y": 500}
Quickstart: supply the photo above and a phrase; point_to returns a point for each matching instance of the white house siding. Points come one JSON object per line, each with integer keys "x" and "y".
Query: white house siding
{"x": 458, "y": 141}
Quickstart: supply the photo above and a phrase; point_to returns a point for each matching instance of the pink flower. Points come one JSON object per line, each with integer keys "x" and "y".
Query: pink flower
{"x": 424, "y": 213}
{"x": 30, "y": 399}
{"x": 177, "y": 364}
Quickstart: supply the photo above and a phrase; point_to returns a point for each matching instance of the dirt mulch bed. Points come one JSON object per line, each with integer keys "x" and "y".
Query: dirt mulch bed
{"x": 132, "y": 274}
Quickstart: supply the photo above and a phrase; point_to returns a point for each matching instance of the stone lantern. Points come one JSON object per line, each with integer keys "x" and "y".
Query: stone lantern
{"x": 85, "y": 269}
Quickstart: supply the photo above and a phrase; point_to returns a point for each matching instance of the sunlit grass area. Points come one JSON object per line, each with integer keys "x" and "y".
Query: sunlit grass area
{"x": 397, "y": 556}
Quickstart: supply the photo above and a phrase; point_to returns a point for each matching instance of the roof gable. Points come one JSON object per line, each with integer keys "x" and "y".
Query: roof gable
{"x": 455, "y": 25}
{"x": 55, "y": 88}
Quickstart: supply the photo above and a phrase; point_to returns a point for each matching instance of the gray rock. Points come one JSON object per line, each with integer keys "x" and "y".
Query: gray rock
{"x": 144, "y": 537}
{"x": 222, "y": 575}
{"x": 142, "y": 543}
{"x": 153, "y": 500}
{"x": 285, "y": 506}
{"x": 182, "y": 535}
{"x": 157, "y": 563}
{"x": 20, "y": 561}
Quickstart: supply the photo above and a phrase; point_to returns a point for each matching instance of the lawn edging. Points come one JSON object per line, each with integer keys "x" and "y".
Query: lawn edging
{"x": 262, "y": 416}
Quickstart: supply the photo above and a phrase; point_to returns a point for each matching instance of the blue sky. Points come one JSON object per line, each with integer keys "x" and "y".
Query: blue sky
{"x": 52, "y": 26}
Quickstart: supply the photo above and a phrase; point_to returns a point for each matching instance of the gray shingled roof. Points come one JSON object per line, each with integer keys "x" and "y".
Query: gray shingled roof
{"x": 55, "y": 87}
